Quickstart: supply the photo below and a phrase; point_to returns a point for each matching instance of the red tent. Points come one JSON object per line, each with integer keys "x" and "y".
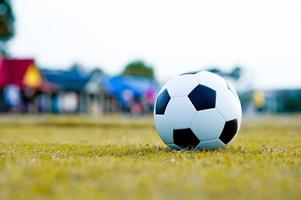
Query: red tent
{"x": 23, "y": 73}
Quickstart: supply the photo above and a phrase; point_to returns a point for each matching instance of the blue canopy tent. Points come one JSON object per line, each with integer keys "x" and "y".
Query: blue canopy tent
{"x": 66, "y": 80}
{"x": 138, "y": 86}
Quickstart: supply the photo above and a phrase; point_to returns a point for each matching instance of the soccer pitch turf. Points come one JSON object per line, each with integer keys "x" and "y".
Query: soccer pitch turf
{"x": 82, "y": 157}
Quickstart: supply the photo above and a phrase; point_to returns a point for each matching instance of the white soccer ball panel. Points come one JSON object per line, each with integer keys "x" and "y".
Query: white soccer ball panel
{"x": 211, "y": 80}
{"x": 180, "y": 113}
{"x": 232, "y": 89}
{"x": 208, "y": 124}
{"x": 164, "y": 129}
{"x": 182, "y": 85}
{"x": 228, "y": 105}
{"x": 211, "y": 144}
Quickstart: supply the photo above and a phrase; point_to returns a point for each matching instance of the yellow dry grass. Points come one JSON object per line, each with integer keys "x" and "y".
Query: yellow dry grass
{"x": 117, "y": 157}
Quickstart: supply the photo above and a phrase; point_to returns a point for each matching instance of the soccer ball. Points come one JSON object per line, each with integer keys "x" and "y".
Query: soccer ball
{"x": 197, "y": 111}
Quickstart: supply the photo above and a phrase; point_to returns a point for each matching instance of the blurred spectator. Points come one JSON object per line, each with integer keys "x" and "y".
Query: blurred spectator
{"x": 259, "y": 101}
{"x": 28, "y": 96}
{"x": 128, "y": 97}
{"x": 137, "y": 107}
{"x": 43, "y": 103}
{"x": 69, "y": 102}
{"x": 150, "y": 99}
{"x": 12, "y": 97}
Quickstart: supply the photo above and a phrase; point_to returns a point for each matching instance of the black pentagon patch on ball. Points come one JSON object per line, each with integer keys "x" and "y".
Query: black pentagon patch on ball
{"x": 229, "y": 131}
{"x": 162, "y": 102}
{"x": 185, "y": 138}
{"x": 194, "y": 72}
{"x": 202, "y": 97}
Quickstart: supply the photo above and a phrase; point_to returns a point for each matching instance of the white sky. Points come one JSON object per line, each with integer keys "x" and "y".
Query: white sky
{"x": 264, "y": 36}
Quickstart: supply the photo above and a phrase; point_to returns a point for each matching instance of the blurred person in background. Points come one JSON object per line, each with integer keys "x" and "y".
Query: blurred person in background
{"x": 150, "y": 99}
{"x": 12, "y": 98}
{"x": 28, "y": 99}
{"x": 128, "y": 97}
{"x": 259, "y": 101}
{"x": 69, "y": 102}
{"x": 137, "y": 107}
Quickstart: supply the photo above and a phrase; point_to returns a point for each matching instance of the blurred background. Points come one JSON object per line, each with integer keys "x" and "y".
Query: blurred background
{"x": 98, "y": 57}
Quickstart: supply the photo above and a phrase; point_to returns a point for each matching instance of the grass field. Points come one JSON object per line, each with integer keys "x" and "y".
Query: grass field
{"x": 72, "y": 157}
